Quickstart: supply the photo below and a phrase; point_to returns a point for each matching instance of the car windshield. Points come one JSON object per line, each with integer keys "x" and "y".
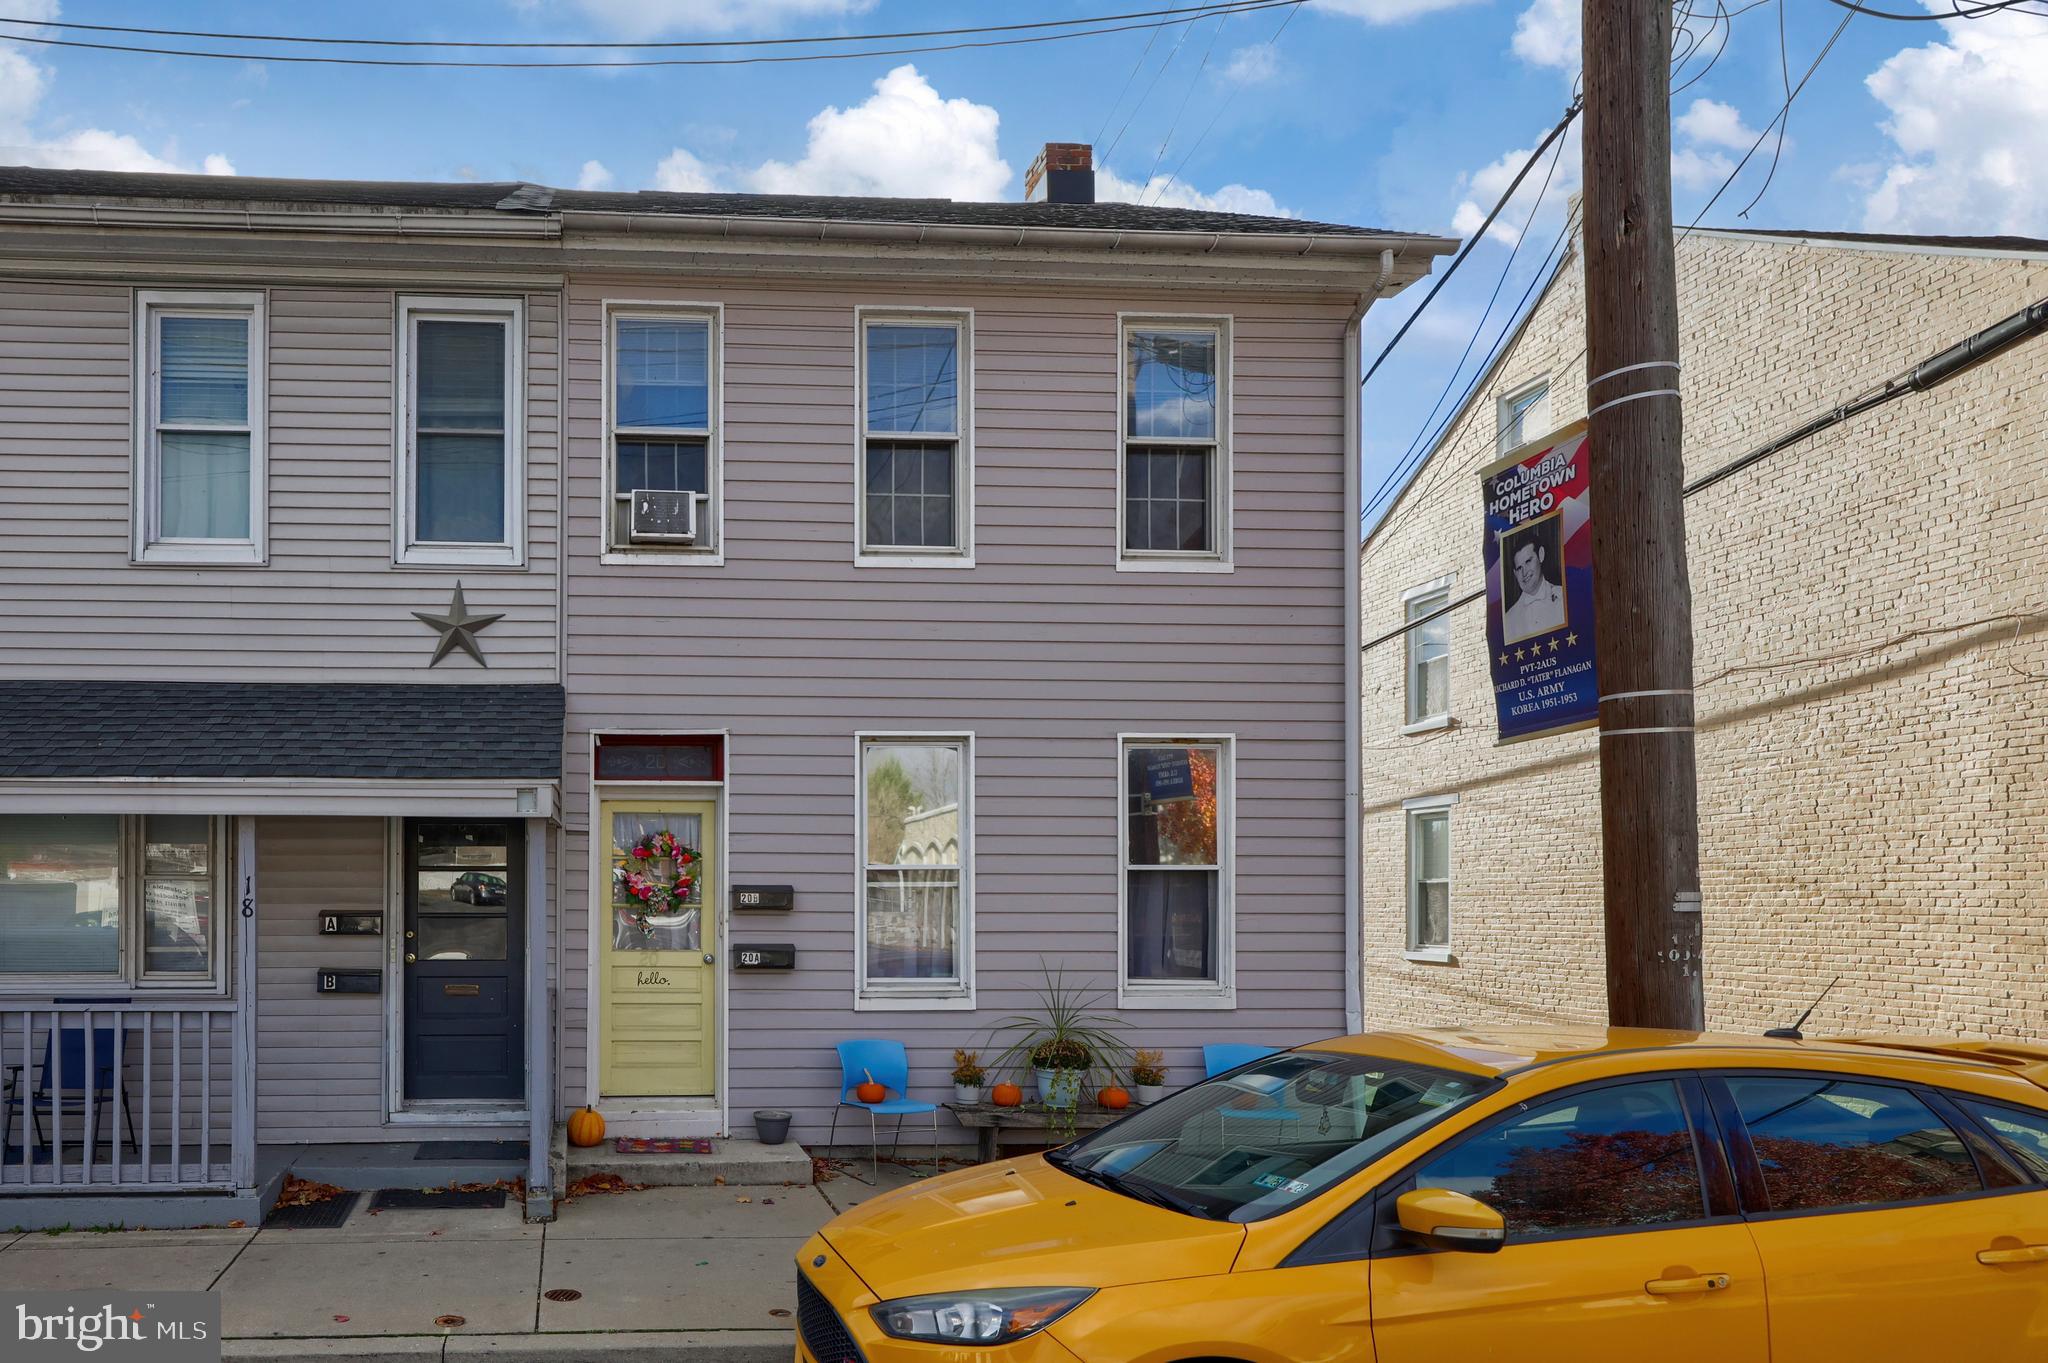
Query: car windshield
{"x": 1267, "y": 1136}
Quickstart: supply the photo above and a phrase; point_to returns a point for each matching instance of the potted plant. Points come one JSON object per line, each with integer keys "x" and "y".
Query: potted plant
{"x": 1061, "y": 1042}
{"x": 1148, "y": 1075}
{"x": 967, "y": 1076}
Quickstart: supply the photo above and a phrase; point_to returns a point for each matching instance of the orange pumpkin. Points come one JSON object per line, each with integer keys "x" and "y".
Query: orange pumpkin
{"x": 870, "y": 1092}
{"x": 585, "y": 1127}
{"x": 1006, "y": 1095}
{"x": 1114, "y": 1098}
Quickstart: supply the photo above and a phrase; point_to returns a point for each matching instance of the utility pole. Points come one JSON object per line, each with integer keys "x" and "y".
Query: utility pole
{"x": 1642, "y": 600}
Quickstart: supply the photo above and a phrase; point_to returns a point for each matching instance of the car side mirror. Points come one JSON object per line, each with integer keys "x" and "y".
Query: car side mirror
{"x": 1442, "y": 1219}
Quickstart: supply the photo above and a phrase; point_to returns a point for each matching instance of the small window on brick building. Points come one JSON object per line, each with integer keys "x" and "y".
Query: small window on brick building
{"x": 1523, "y": 415}
{"x": 1429, "y": 658}
{"x": 1429, "y": 880}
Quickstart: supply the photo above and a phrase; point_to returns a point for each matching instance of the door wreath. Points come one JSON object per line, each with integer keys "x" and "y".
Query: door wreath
{"x": 660, "y": 900}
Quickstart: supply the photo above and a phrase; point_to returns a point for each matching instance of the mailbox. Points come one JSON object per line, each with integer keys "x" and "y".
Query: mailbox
{"x": 764, "y": 956}
{"x": 764, "y": 896}
{"x": 349, "y": 981}
{"x": 351, "y": 925}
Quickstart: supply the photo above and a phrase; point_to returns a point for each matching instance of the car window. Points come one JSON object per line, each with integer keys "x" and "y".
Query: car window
{"x": 1613, "y": 1158}
{"x": 1826, "y": 1143}
{"x": 2023, "y": 1134}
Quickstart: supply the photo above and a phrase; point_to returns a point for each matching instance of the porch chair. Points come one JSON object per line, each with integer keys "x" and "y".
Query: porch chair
{"x": 1223, "y": 1056}
{"x": 70, "y": 1077}
{"x": 888, "y": 1064}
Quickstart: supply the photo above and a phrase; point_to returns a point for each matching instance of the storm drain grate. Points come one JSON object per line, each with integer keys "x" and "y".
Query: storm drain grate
{"x": 324, "y": 1215}
{"x": 562, "y": 1294}
{"x": 435, "y": 1199}
{"x": 472, "y": 1152}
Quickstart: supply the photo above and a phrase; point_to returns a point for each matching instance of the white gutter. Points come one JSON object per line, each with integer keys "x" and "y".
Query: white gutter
{"x": 1354, "y": 879}
{"x": 344, "y": 222}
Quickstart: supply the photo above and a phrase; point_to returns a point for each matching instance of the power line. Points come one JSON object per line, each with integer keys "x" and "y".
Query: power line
{"x": 1150, "y": 86}
{"x": 1196, "y": 11}
{"x": 1958, "y": 10}
{"x": 1477, "y": 236}
{"x": 1236, "y": 7}
{"x": 1174, "y": 175}
{"x": 1186, "y": 95}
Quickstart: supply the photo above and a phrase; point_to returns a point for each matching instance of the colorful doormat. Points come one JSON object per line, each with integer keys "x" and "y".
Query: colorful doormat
{"x": 661, "y": 1145}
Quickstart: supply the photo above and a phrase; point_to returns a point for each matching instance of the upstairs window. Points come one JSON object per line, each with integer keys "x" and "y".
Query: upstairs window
{"x": 664, "y": 433}
{"x": 1523, "y": 415}
{"x": 461, "y": 418}
{"x": 200, "y": 428}
{"x": 916, "y": 501}
{"x": 1175, "y": 473}
{"x": 1429, "y": 658}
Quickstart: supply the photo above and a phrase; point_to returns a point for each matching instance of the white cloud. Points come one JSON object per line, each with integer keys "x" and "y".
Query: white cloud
{"x": 1387, "y": 11}
{"x": 594, "y": 175}
{"x": 1715, "y": 124}
{"x": 1254, "y": 65}
{"x": 1692, "y": 168}
{"x": 1113, "y": 188}
{"x": 24, "y": 141}
{"x": 1489, "y": 182}
{"x": 682, "y": 173}
{"x": 903, "y": 141}
{"x": 639, "y": 19}
{"x": 1547, "y": 34}
{"x": 1969, "y": 116}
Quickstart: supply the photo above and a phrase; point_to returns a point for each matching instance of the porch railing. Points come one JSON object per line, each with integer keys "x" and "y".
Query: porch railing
{"x": 120, "y": 1097}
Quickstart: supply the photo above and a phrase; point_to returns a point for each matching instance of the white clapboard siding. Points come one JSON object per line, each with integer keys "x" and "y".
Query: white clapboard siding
{"x": 1043, "y": 650}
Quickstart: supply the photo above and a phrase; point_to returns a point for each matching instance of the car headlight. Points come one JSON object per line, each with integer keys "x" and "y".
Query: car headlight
{"x": 977, "y": 1317}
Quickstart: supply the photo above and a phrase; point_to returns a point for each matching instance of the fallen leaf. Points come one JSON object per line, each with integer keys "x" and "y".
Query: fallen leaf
{"x": 743, "y": 1199}
{"x": 238, "y": 1225}
{"x": 300, "y": 1192}
{"x": 767, "y": 1201}
{"x": 341, "y": 1320}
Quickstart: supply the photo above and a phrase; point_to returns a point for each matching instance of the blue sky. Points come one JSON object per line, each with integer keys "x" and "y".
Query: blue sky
{"x": 1410, "y": 114}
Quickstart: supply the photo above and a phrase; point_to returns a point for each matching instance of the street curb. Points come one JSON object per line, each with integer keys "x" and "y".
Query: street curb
{"x": 631, "y": 1346}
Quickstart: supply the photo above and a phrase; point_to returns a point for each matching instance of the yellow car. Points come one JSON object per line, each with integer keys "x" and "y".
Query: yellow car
{"x": 1582, "y": 1195}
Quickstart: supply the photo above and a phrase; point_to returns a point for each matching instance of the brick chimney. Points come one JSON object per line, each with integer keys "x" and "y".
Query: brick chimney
{"x": 1064, "y": 173}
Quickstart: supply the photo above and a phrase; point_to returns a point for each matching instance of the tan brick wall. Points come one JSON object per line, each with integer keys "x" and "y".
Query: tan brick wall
{"x": 1871, "y": 652}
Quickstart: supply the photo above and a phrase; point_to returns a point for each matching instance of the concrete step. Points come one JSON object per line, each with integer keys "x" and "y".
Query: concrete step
{"x": 735, "y": 1161}
{"x": 370, "y": 1165}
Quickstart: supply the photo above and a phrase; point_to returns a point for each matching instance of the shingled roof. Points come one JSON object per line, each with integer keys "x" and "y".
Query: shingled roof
{"x": 516, "y": 197}
{"x": 308, "y": 730}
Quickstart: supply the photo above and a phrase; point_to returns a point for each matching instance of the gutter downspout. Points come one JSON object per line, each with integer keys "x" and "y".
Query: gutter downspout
{"x": 1354, "y": 905}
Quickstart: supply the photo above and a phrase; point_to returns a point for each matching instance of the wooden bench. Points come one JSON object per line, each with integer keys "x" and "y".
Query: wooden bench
{"x": 988, "y": 1121}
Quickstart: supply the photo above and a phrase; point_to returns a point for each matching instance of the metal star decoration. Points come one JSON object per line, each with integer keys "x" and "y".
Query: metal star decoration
{"x": 458, "y": 629}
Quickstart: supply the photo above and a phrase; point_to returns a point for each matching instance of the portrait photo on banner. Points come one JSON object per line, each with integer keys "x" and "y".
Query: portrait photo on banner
{"x": 1532, "y": 599}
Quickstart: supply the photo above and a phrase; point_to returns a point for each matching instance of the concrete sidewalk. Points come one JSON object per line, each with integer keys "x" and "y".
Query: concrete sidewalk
{"x": 664, "y": 1273}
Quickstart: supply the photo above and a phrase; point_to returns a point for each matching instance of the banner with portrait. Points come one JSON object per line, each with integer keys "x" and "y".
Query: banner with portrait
{"x": 1539, "y": 587}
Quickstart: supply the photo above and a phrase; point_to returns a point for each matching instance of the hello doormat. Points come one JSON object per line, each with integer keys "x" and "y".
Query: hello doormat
{"x": 662, "y": 1145}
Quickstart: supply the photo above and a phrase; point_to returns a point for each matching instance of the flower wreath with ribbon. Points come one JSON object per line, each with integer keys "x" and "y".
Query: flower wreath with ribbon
{"x": 657, "y": 895}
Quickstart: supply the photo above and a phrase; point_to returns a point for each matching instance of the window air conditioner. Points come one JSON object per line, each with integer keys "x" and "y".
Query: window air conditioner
{"x": 663, "y": 517}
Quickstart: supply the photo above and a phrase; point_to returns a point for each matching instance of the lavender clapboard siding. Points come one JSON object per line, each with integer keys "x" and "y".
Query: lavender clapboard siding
{"x": 1042, "y": 650}
{"x": 329, "y": 605}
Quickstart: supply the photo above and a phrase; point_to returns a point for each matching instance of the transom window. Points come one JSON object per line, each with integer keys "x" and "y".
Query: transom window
{"x": 916, "y": 835}
{"x": 1523, "y": 415}
{"x": 1175, "y": 418}
{"x": 916, "y": 471}
{"x": 106, "y": 898}
{"x": 1429, "y": 658}
{"x": 200, "y": 404}
{"x": 462, "y": 492}
{"x": 664, "y": 435}
{"x": 1176, "y": 839}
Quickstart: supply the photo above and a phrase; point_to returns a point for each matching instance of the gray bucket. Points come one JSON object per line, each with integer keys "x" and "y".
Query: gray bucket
{"x": 771, "y": 1125}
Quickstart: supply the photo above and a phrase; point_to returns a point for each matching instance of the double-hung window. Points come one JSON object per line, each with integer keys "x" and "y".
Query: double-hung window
{"x": 98, "y": 900}
{"x": 1428, "y": 680}
{"x": 1175, "y": 846}
{"x": 1174, "y": 493}
{"x": 199, "y": 448}
{"x": 460, "y": 425}
{"x": 916, "y": 503}
{"x": 1523, "y": 415}
{"x": 916, "y": 834}
{"x": 664, "y": 410}
{"x": 1429, "y": 881}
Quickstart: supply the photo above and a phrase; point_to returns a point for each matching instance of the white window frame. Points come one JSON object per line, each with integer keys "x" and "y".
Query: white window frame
{"x": 1505, "y": 404}
{"x": 1220, "y": 993}
{"x": 146, "y": 546}
{"x": 713, "y": 513}
{"x": 1418, "y": 601}
{"x": 407, "y": 549}
{"x": 882, "y": 556}
{"x": 1413, "y": 812}
{"x": 913, "y": 996}
{"x": 1218, "y": 558}
{"x": 128, "y": 976}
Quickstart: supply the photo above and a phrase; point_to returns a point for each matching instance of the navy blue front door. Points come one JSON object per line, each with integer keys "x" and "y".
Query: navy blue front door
{"x": 465, "y": 960}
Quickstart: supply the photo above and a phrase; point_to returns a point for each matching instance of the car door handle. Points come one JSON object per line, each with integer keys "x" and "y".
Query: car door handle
{"x": 1682, "y": 1287}
{"x": 2025, "y": 1254}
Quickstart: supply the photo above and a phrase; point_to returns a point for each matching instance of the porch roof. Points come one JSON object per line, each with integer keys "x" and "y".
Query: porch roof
{"x": 302, "y": 731}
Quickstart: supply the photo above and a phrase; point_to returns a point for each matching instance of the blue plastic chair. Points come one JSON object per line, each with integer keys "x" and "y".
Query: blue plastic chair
{"x": 69, "y": 1077}
{"x": 1224, "y": 1056}
{"x": 888, "y": 1064}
